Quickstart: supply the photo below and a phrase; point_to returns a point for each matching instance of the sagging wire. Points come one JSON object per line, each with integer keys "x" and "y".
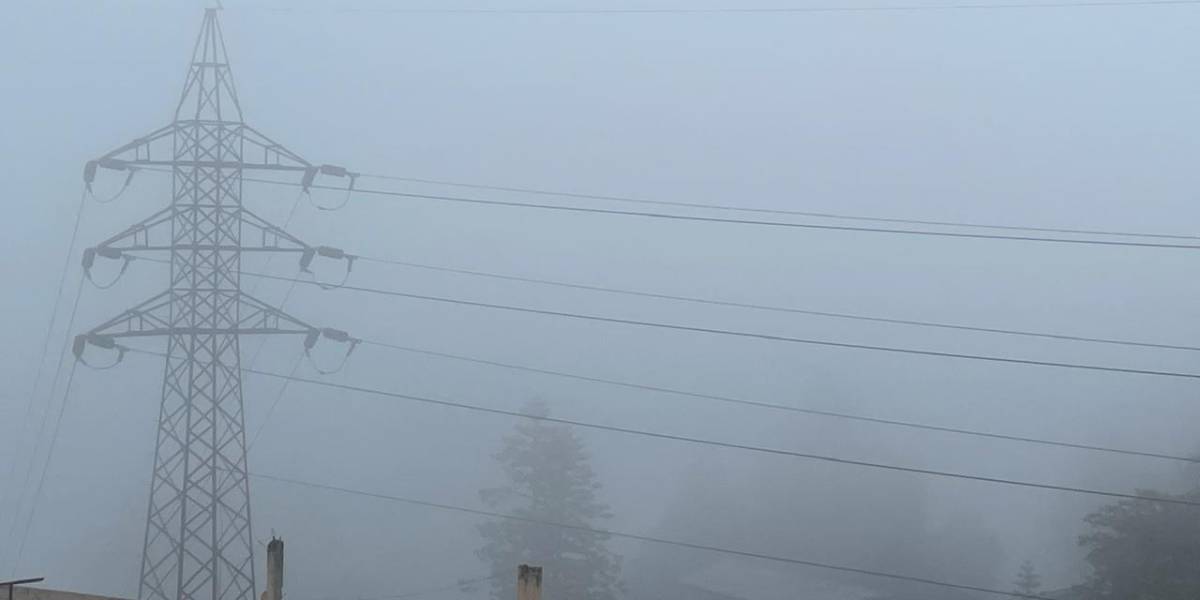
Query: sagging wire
{"x": 41, "y": 364}
{"x": 310, "y": 174}
{"x": 89, "y": 175}
{"x": 89, "y": 258}
{"x": 62, "y": 355}
{"x": 295, "y": 206}
{"x": 37, "y": 494}
{"x": 310, "y": 253}
{"x": 336, "y": 335}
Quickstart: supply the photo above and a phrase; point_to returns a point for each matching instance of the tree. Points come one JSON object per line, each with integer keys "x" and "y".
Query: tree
{"x": 549, "y": 479}
{"x": 1028, "y": 581}
{"x": 1144, "y": 550}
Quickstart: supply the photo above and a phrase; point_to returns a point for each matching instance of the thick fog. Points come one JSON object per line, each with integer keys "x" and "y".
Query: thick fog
{"x": 1082, "y": 117}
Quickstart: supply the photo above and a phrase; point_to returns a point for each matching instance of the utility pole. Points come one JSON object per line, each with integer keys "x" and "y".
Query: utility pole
{"x": 198, "y": 542}
{"x": 529, "y": 583}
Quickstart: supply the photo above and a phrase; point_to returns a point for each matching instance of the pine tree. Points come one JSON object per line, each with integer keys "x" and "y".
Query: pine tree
{"x": 549, "y": 479}
{"x": 1028, "y": 581}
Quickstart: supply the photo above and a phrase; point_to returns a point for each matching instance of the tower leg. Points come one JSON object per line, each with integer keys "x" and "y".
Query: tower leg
{"x": 199, "y": 543}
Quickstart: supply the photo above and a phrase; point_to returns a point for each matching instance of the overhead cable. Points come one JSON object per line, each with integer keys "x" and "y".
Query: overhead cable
{"x": 778, "y": 211}
{"x": 784, "y": 407}
{"x": 278, "y": 398}
{"x": 752, "y": 403}
{"x": 749, "y": 222}
{"x": 748, "y": 334}
{"x": 728, "y": 445}
{"x": 18, "y": 436}
{"x": 759, "y": 10}
{"x": 726, "y": 207}
{"x": 646, "y": 538}
{"x": 37, "y": 492}
{"x": 775, "y": 308}
{"x": 62, "y": 357}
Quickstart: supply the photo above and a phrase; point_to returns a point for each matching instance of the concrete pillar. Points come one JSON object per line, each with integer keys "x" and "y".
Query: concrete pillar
{"x": 529, "y": 583}
{"x": 274, "y": 589}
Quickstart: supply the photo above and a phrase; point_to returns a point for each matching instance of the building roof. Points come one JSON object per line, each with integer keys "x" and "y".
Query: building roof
{"x": 21, "y": 592}
{"x": 746, "y": 581}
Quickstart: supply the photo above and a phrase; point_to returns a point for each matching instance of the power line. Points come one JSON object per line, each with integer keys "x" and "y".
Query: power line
{"x": 270, "y": 257}
{"x": 729, "y": 445}
{"x": 37, "y": 377}
{"x": 783, "y": 309}
{"x": 714, "y": 443}
{"x": 784, "y": 407}
{"x": 279, "y": 397}
{"x": 744, "y": 402}
{"x": 757, "y": 10}
{"x": 45, "y": 421}
{"x": 747, "y": 334}
{"x": 37, "y": 493}
{"x": 725, "y": 207}
{"x": 802, "y": 213}
{"x": 645, "y": 538}
{"x": 750, "y": 222}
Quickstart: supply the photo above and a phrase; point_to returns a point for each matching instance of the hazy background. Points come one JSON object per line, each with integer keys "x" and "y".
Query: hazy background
{"x": 1077, "y": 117}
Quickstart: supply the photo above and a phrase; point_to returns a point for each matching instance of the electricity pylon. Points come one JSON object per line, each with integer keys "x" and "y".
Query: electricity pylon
{"x": 198, "y": 541}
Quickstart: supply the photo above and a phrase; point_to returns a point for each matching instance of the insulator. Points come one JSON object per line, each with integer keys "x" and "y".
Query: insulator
{"x": 103, "y": 341}
{"x": 310, "y": 173}
{"x": 306, "y": 258}
{"x": 331, "y": 252}
{"x": 333, "y": 170}
{"x": 89, "y": 255}
{"x": 311, "y": 338}
{"x": 89, "y": 259}
{"x": 115, "y": 164}
{"x": 336, "y": 335}
{"x": 100, "y": 341}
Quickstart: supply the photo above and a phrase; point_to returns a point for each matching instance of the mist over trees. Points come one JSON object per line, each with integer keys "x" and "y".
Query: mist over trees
{"x": 549, "y": 478}
{"x": 809, "y": 511}
{"x": 1144, "y": 549}
{"x": 1028, "y": 582}
{"x": 1072, "y": 115}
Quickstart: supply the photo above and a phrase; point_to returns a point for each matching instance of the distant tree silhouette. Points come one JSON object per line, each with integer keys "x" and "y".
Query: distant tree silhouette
{"x": 1144, "y": 549}
{"x": 1028, "y": 581}
{"x": 549, "y": 478}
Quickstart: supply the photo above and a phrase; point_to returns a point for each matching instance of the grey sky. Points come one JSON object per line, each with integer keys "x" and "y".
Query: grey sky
{"x": 1049, "y": 117}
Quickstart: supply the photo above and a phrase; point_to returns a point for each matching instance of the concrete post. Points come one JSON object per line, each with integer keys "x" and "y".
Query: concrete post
{"x": 274, "y": 589}
{"x": 529, "y": 583}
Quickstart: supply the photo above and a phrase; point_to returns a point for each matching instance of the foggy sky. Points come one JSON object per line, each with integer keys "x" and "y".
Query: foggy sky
{"x": 1081, "y": 117}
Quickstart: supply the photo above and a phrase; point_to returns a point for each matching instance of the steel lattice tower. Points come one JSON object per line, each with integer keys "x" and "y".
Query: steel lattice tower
{"x": 198, "y": 540}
